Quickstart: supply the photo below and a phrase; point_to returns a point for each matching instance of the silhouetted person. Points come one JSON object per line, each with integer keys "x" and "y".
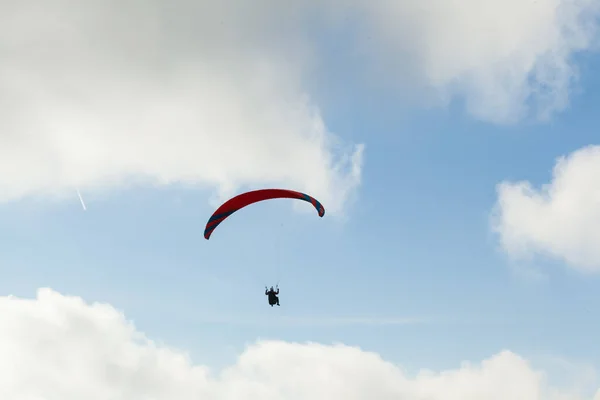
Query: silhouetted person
{"x": 273, "y": 299}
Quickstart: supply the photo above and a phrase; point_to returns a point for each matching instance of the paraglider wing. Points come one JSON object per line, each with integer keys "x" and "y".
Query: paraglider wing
{"x": 244, "y": 199}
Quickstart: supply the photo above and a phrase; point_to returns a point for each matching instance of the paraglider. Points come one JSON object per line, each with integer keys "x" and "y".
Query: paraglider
{"x": 242, "y": 200}
{"x": 273, "y": 299}
{"x": 245, "y": 199}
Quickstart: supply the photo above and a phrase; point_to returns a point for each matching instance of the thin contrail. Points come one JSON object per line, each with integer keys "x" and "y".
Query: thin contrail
{"x": 81, "y": 199}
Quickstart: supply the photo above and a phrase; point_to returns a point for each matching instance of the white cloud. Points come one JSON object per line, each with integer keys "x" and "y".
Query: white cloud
{"x": 561, "y": 220}
{"x": 56, "y": 347}
{"x": 503, "y": 56}
{"x": 100, "y": 95}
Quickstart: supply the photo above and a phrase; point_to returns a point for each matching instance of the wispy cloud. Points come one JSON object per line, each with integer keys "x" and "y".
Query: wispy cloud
{"x": 355, "y": 320}
{"x": 316, "y": 321}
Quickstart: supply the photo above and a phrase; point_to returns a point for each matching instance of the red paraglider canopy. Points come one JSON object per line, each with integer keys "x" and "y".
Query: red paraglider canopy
{"x": 245, "y": 199}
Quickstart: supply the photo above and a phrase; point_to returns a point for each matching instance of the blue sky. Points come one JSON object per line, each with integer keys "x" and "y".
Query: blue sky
{"x": 416, "y": 244}
{"x": 415, "y": 240}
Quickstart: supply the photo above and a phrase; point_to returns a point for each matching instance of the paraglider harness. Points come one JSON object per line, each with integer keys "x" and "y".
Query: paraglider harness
{"x": 273, "y": 299}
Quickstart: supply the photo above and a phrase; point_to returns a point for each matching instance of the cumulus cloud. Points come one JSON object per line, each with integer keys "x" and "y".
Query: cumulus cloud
{"x": 58, "y": 347}
{"x": 561, "y": 219}
{"x": 106, "y": 93}
{"x": 112, "y": 92}
{"x": 507, "y": 58}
